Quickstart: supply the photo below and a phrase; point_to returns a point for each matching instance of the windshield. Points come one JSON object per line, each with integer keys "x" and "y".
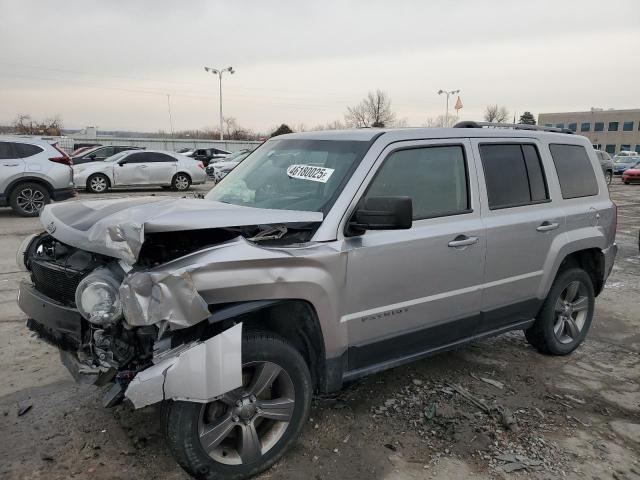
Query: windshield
{"x": 291, "y": 174}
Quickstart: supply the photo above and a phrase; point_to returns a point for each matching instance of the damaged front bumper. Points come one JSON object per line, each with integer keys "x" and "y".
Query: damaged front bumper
{"x": 198, "y": 371}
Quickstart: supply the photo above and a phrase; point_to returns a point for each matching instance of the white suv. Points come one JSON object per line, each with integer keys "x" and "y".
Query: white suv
{"x": 32, "y": 173}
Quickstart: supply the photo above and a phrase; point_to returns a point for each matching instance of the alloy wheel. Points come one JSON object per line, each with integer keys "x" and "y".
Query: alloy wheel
{"x": 244, "y": 424}
{"x": 571, "y": 311}
{"x": 98, "y": 184}
{"x": 182, "y": 182}
{"x": 30, "y": 200}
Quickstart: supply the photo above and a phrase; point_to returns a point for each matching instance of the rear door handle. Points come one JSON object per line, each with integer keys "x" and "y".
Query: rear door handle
{"x": 143, "y": 166}
{"x": 547, "y": 226}
{"x": 463, "y": 241}
{"x": 10, "y": 164}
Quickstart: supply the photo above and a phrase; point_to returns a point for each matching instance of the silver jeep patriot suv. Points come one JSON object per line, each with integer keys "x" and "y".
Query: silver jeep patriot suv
{"x": 322, "y": 258}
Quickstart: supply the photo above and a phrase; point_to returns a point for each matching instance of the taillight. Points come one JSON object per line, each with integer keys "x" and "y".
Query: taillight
{"x": 63, "y": 159}
{"x": 201, "y": 165}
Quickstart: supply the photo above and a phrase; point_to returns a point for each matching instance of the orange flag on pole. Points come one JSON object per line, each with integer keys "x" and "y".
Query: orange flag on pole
{"x": 458, "y": 104}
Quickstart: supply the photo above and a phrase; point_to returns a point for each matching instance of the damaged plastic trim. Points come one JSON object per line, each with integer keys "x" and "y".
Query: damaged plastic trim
{"x": 199, "y": 373}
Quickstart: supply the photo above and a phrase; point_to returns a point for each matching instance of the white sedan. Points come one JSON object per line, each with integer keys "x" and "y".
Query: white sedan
{"x": 134, "y": 168}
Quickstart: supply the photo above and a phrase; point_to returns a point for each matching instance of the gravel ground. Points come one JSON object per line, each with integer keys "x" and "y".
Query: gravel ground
{"x": 493, "y": 409}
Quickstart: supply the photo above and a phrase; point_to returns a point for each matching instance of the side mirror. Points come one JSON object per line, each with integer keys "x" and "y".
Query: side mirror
{"x": 381, "y": 213}
{"x": 92, "y": 156}
{"x": 121, "y": 162}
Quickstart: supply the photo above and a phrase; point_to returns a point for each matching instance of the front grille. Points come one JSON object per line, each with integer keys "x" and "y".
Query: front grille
{"x": 55, "y": 281}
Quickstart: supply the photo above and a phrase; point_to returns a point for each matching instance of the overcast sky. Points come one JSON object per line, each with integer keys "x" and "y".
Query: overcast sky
{"x": 112, "y": 63}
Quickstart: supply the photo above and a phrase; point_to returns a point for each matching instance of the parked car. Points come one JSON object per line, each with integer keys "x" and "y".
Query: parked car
{"x": 98, "y": 154}
{"x": 606, "y": 163}
{"x": 206, "y": 155}
{"x": 218, "y": 170}
{"x": 32, "y": 173}
{"x": 76, "y": 152}
{"x": 137, "y": 168}
{"x": 631, "y": 175}
{"x": 625, "y": 160}
{"x": 322, "y": 258}
{"x": 79, "y": 145}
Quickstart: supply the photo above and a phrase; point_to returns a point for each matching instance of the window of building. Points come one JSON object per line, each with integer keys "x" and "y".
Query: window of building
{"x": 597, "y": 146}
{"x": 520, "y": 164}
{"x": 575, "y": 171}
{"x": 560, "y": 125}
{"x": 625, "y": 147}
{"x": 598, "y": 127}
{"x": 638, "y": 148}
{"x": 627, "y": 127}
{"x": 573, "y": 127}
{"x": 434, "y": 177}
{"x": 585, "y": 127}
{"x": 548, "y": 124}
{"x": 611, "y": 149}
{"x": 613, "y": 126}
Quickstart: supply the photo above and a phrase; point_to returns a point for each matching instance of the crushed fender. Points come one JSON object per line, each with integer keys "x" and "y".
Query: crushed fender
{"x": 199, "y": 373}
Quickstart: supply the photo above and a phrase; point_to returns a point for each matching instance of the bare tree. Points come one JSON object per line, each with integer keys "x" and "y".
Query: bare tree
{"x": 372, "y": 111}
{"x": 25, "y": 125}
{"x": 494, "y": 113}
{"x": 335, "y": 125}
{"x": 441, "y": 121}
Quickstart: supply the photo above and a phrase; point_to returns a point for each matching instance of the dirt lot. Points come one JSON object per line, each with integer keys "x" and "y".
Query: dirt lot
{"x": 494, "y": 409}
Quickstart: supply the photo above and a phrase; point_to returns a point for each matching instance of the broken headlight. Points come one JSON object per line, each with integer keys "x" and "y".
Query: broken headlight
{"x": 98, "y": 298}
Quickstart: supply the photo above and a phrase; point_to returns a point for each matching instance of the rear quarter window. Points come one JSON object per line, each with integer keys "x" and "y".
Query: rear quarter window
{"x": 24, "y": 150}
{"x": 575, "y": 172}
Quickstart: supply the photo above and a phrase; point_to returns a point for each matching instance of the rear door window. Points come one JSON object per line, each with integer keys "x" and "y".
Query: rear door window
{"x": 575, "y": 172}
{"x": 513, "y": 175}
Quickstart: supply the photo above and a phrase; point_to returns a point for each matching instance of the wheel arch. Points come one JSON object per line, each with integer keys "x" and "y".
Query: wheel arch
{"x": 591, "y": 260}
{"x": 295, "y": 320}
{"x": 29, "y": 179}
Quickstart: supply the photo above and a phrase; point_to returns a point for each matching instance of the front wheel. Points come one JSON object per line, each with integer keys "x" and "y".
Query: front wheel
{"x": 247, "y": 430}
{"x": 98, "y": 183}
{"x": 566, "y": 314}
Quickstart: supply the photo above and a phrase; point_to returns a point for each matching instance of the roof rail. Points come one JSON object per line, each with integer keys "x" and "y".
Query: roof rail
{"x": 515, "y": 126}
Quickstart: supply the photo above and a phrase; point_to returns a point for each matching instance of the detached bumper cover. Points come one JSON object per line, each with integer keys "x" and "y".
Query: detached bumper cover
{"x": 198, "y": 373}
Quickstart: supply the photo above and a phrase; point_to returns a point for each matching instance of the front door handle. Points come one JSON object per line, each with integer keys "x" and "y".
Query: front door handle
{"x": 11, "y": 164}
{"x": 143, "y": 166}
{"x": 547, "y": 226}
{"x": 463, "y": 241}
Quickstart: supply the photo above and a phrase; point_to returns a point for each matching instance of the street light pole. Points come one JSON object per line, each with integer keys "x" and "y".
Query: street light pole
{"x": 219, "y": 72}
{"x": 447, "y": 93}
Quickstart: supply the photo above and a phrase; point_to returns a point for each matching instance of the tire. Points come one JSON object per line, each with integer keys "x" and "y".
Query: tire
{"x": 608, "y": 176}
{"x": 98, "y": 183}
{"x": 28, "y": 199}
{"x": 263, "y": 354}
{"x": 181, "y": 182}
{"x": 558, "y": 329}
{"x": 626, "y": 183}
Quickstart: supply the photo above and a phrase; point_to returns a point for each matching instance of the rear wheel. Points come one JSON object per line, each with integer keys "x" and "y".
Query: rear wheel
{"x": 245, "y": 431}
{"x": 28, "y": 199}
{"x": 566, "y": 314}
{"x": 98, "y": 183}
{"x": 181, "y": 182}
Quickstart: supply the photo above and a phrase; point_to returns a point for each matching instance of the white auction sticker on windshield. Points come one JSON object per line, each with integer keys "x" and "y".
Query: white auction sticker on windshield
{"x": 309, "y": 172}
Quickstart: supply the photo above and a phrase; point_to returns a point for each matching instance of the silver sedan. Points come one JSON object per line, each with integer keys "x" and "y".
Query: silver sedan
{"x": 140, "y": 168}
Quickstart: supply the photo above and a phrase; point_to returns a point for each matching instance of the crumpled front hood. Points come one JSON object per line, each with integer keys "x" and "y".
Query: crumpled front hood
{"x": 117, "y": 227}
